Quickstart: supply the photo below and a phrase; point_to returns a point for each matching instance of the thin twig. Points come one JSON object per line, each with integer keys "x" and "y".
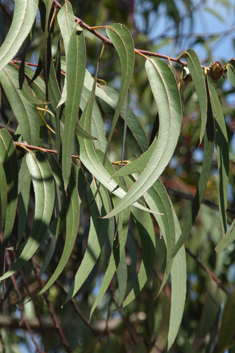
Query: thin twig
{"x": 210, "y": 274}
{"x": 109, "y": 42}
{"x": 230, "y": 212}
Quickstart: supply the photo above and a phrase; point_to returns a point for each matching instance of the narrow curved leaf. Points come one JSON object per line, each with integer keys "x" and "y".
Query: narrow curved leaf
{"x": 221, "y": 141}
{"x": 209, "y": 140}
{"x": 72, "y": 202}
{"x": 23, "y": 191}
{"x": 123, "y": 42}
{"x": 96, "y": 238}
{"x": 76, "y": 64}
{"x": 137, "y": 165}
{"x": 97, "y": 124}
{"x": 89, "y": 156}
{"x": 158, "y": 200}
{"x": 146, "y": 232}
{"x": 25, "y": 112}
{"x": 23, "y": 19}
{"x": 115, "y": 258}
{"x": 168, "y": 99}
{"x": 205, "y": 171}
{"x": 9, "y": 163}
{"x": 67, "y": 25}
{"x": 227, "y": 239}
{"x": 44, "y": 201}
{"x": 231, "y": 74}
{"x": 195, "y": 69}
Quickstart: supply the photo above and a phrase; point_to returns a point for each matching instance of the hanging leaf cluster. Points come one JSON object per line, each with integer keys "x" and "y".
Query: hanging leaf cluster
{"x": 73, "y": 172}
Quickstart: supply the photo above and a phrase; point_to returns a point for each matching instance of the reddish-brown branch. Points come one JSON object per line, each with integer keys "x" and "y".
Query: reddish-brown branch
{"x": 109, "y": 42}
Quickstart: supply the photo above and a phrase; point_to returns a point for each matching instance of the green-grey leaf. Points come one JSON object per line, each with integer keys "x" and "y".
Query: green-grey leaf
{"x": 166, "y": 94}
{"x": 72, "y": 221}
{"x": 76, "y": 64}
{"x": 221, "y": 141}
{"x": 44, "y": 201}
{"x": 90, "y": 158}
{"x": 23, "y": 191}
{"x": 205, "y": 171}
{"x": 67, "y": 23}
{"x": 158, "y": 200}
{"x": 115, "y": 258}
{"x": 227, "y": 239}
{"x": 195, "y": 69}
{"x": 231, "y": 74}
{"x": 23, "y": 19}
{"x": 96, "y": 238}
{"x": 97, "y": 124}
{"x": 24, "y": 111}
{"x": 123, "y": 42}
{"x": 9, "y": 163}
{"x": 145, "y": 227}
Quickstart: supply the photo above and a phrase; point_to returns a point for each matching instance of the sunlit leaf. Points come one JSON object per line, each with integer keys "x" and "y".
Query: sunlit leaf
{"x": 195, "y": 69}
{"x": 24, "y": 111}
{"x": 168, "y": 99}
{"x": 76, "y": 64}
{"x": 123, "y": 42}
{"x": 24, "y": 15}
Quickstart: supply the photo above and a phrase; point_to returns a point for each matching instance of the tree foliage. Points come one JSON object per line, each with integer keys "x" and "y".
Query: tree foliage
{"x": 87, "y": 192}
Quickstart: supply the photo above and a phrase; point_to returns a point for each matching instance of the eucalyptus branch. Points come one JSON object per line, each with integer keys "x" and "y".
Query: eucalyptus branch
{"x": 109, "y": 42}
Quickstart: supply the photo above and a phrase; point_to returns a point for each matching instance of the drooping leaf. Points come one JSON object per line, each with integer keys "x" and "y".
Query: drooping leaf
{"x": 67, "y": 25}
{"x": 96, "y": 238}
{"x": 231, "y": 74}
{"x": 168, "y": 99}
{"x": 115, "y": 258}
{"x": 97, "y": 124}
{"x": 89, "y": 157}
{"x": 122, "y": 278}
{"x": 158, "y": 199}
{"x": 147, "y": 235}
{"x": 44, "y": 201}
{"x": 227, "y": 239}
{"x": 195, "y": 69}
{"x": 221, "y": 140}
{"x": 23, "y": 19}
{"x": 72, "y": 203}
{"x": 23, "y": 191}
{"x": 24, "y": 111}
{"x": 205, "y": 171}
{"x": 9, "y": 163}
{"x": 123, "y": 42}
{"x": 137, "y": 165}
{"x": 76, "y": 64}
